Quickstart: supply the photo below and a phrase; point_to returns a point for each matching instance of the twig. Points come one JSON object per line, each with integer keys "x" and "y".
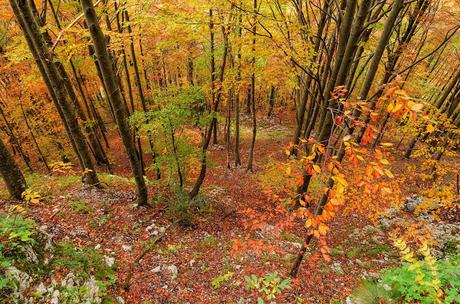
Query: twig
{"x": 69, "y": 26}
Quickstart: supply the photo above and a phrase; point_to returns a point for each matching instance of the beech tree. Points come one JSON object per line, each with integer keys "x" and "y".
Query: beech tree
{"x": 11, "y": 173}
{"x": 56, "y": 85}
{"x": 105, "y": 64}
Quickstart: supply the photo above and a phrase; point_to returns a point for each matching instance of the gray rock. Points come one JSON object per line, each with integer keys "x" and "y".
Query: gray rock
{"x": 69, "y": 280}
{"x": 55, "y": 297}
{"x": 156, "y": 269}
{"x": 127, "y": 247}
{"x": 412, "y": 202}
{"x": 92, "y": 291}
{"x": 109, "y": 260}
{"x": 173, "y": 270}
{"x": 24, "y": 280}
{"x": 337, "y": 268}
{"x": 388, "y": 222}
{"x": 41, "y": 289}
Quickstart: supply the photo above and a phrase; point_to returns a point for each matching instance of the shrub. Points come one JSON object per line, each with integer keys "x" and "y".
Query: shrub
{"x": 270, "y": 285}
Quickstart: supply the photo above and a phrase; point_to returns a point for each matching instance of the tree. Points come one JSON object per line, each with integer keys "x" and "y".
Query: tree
{"x": 55, "y": 84}
{"x": 11, "y": 173}
{"x": 105, "y": 64}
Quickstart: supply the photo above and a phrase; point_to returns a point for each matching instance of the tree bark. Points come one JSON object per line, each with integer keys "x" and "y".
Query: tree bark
{"x": 249, "y": 167}
{"x": 53, "y": 78}
{"x": 105, "y": 63}
{"x": 11, "y": 173}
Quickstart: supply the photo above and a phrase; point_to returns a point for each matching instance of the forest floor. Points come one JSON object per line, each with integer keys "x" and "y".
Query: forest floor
{"x": 235, "y": 233}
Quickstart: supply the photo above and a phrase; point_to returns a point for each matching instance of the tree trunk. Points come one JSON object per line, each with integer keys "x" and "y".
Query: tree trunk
{"x": 53, "y": 78}
{"x": 249, "y": 168}
{"x": 237, "y": 96}
{"x": 12, "y": 175}
{"x": 37, "y": 146}
{"x": 100, "y": 48}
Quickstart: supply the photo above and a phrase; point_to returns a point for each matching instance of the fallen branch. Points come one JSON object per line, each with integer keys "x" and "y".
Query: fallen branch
{"x": 147, "y": 250}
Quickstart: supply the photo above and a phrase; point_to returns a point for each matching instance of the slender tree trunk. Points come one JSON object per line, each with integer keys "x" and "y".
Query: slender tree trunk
{"x": 15, "y": 141}
{"x": 373, "y": 68}
{"x": 237, "y": 95}
{"x": 37, "y": 146}
{"x": 11, "y": 173}
{"x": 140, "y": 91}
{"x": 53, "y": 77}
{"x": 249, "y": 167}
{"x": 271, "y": 101}
{"x": 300, "y": 110}
{"x": 206, "y": 138}
{"x": 115, "y": 98}
{"x": 388, "y": 28}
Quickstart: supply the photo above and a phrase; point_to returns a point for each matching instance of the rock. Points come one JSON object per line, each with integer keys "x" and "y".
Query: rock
{"x": 127, "y": 247}
{"x": 337, "y": 268}
{"x": 69, "y": 280}
{"x": 370, "y": 229}
{"x": 92, "y": 291}
{"x": 412, "y": 202}
{"x": 429, "y": 218}
{"x": 156, "y": 269}
{"x": 377, "y": 239}
{"x": 173, "y": 270}
{"x": 109, "y": 260}
{"x": 445, "y": 234}
{"x": 361, "y": 263}
{"x": 291, "y": 245}
{"x": 120, "y": 300}
{"x": 24, "y": 280}
{"x": 386, "y": 223}
{"x": 154, "y": 230}
{"x": 31, "y": 255}
{"x": 55, "y": 297}
{"x": 41, "y": 288}
{"x": 268, "y": 228}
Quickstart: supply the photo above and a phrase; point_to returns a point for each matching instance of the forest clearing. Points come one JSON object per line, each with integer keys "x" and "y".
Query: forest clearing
{"x": 229, "y": 151}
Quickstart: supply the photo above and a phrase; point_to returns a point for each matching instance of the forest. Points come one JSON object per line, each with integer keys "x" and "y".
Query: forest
{"x": 229, "y": 151}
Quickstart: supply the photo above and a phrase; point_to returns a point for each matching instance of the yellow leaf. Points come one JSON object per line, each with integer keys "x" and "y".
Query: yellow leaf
{"x": 430, "y": 128}
{"x": 323, "y": 229}
{"x": 390, "y": 108}
{"x": 388, "y": 173}
{"x": 384, "y": 161}
{"x": 317, "y": 169}
{"x": 397, "y": 108}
